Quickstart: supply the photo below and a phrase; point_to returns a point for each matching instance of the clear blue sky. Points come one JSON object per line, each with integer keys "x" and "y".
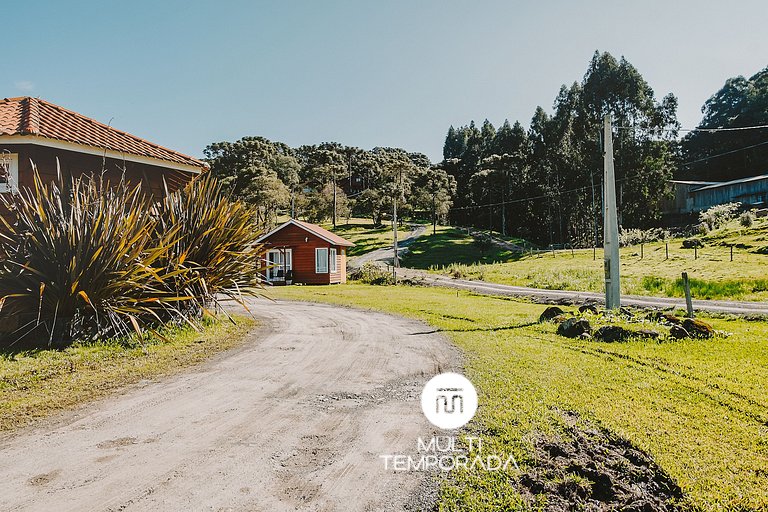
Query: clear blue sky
{"x": 361, "y": 72}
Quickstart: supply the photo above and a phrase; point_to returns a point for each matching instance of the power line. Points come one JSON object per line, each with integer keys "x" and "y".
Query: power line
{"x": 726, "y": 153}
{"x": 708, "y": 130}
{"x": 558, "y": 193}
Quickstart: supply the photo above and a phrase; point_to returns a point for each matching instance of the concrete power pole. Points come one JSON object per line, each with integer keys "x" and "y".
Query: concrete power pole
{"x": 395, "y": 262}
{"x": 610, "y": 223}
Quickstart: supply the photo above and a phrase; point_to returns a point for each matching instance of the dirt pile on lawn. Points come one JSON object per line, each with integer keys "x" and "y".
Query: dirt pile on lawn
{"x": 590, "y": 468}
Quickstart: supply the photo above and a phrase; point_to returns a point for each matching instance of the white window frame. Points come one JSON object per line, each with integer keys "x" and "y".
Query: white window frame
{"x": 283, "y": 261}
{"x": 333, "y": 265}
{"x": 12, "y": 160}
{"x": 321, "y": 260}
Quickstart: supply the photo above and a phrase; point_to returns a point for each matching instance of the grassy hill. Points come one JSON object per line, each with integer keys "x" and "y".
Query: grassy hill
{"x": 649, "y": 270}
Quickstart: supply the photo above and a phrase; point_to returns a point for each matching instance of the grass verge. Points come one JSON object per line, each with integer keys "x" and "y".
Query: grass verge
{"x": 36, "y": 383}
{"x": 654, "y": 269}
{"x": 698, "y": 407}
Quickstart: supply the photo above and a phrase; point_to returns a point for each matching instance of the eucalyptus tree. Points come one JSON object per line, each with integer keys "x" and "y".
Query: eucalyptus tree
{"x": 735, "y": 154}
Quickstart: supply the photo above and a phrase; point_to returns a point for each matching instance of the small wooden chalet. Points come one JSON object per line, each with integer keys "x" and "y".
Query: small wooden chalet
{"x": 300, "y": 252}
{"x": 35, "y": 131}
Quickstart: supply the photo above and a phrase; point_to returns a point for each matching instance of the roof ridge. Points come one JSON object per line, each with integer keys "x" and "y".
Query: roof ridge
{"x": 111, "y": 128}
{"x": 30, "y": 116}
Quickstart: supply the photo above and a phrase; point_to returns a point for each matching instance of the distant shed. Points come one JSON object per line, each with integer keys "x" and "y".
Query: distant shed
{"x": 750, "y": 192}
{"x": 300, "y": 252}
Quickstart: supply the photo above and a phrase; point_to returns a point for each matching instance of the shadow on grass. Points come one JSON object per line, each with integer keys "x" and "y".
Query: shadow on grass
{"x": 479, "y": 329}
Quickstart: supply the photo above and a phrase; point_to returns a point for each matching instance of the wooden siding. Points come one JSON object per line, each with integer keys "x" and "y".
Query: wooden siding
{"x": 72, "y": 163}
{"x": 303, "y": 244}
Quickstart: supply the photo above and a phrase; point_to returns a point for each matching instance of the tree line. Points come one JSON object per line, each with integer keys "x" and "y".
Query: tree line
{"x": 330, "y": 181}
{"x": 541, "y": 181}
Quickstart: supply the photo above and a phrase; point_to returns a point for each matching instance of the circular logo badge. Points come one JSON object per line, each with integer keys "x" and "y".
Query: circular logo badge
{"x": 449, "y": 401}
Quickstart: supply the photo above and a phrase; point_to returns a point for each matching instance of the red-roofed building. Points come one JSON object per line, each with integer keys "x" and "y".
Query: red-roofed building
{"x": 300, "y": 252}
{"x": 34, "y": 131}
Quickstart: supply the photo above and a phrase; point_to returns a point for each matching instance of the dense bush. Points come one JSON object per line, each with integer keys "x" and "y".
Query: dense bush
{"x": 747, "y": 219}
{"x": 719, "y": 215}
{"x": 371, "y": 273}
{"x": 84, "y": 257}
{"x": 629, "y": 237}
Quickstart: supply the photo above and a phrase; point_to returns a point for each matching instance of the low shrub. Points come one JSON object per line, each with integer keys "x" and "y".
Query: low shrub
{"x": 747, "y": 219}
{"x": 718, "y": 215}
{"x": 371, "y": 273}
{"x": 634, "y": 236}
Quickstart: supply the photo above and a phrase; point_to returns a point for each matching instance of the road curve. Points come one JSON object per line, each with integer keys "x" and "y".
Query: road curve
{"x": 385, "y": 255}
{"x": 486, "y": 288}
{"x": 294, "y": 420}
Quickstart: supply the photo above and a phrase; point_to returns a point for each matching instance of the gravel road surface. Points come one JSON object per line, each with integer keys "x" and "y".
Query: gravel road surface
{"x": 293, "y": 420}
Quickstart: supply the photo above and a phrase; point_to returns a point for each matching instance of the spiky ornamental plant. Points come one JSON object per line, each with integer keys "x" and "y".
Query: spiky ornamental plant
{"x": 83, "y": 262}
{"x": 216, "y": 241}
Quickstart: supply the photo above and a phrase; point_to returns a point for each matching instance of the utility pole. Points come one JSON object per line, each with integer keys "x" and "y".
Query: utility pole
{"x": 395, "y": 260}
{"x": 610, "y": 223}
{"x": 334, "y": 196}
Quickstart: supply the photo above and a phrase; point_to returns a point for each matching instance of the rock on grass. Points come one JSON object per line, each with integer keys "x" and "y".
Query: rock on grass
{"x": 550, "y": 313}
{"x": 574, "y": 327}
{"x": 698, "y": 328}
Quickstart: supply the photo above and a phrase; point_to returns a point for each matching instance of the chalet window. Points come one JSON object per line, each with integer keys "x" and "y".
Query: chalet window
{"x": 332, "y": 260}
{"x": 321, "y": 260}
{"x": 9, "y": 172}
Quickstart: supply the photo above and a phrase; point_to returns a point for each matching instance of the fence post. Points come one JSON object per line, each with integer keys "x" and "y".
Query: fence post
{"x": 641, "y": 250}
{"x": 572, "y": 254}
{"x": 667, "y": 249}
{"x": 688, "y": 301}
{"x": 695, "y": 252}
{"x": 731, "y": 252}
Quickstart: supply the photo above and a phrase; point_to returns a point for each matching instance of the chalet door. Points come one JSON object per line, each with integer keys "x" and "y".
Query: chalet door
{"x": 279, "y": 263}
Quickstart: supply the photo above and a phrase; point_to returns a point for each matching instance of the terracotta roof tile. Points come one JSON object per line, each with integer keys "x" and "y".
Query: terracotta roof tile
{"x": 33, "y": 116}
{"x": 324, "y": 233}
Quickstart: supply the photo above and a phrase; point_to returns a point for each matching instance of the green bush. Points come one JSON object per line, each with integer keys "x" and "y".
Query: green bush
{"x": 85, "y": 258}
{"x": 747, "y": 219}
{"x": 371, "y": 273}
{"x": 718, "y": 215}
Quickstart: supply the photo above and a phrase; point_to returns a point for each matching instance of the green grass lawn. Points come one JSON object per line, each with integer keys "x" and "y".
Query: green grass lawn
{"x": 699, "y": 407}
{"x": 365, "y": 235}
{"x": 713, "y": 275}
{"x": 35, "y": 383}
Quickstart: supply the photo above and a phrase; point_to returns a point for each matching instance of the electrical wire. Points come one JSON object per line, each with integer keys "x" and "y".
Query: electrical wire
{"x": 708, "y": 130}
{"x": 558, "y": 193}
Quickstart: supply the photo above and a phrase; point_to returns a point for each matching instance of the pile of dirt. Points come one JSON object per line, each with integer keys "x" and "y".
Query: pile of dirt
{"x": 590, "y": 468}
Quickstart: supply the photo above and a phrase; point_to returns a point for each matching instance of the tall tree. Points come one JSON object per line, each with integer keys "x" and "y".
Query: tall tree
{"x": 731, "y": 154}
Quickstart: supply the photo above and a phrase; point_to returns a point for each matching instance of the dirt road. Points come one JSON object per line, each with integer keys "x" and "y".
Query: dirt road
{"x": 384, "y": 256}
{"x": 294, "y": 420}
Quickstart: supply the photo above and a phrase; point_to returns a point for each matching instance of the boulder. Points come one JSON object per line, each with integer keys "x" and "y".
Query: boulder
{"x": 611, "y": 333}
{"x": 678, "y": 332}
{"x": 649, "y": 334}
{"x": 588, "y": 308}
{"x": 574, "y": 327}
{"x": 550, "y": 313}
{"x": 663, "y": 318}
{"x": 690, "y": 243}
{"x": 697, "y": 328}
